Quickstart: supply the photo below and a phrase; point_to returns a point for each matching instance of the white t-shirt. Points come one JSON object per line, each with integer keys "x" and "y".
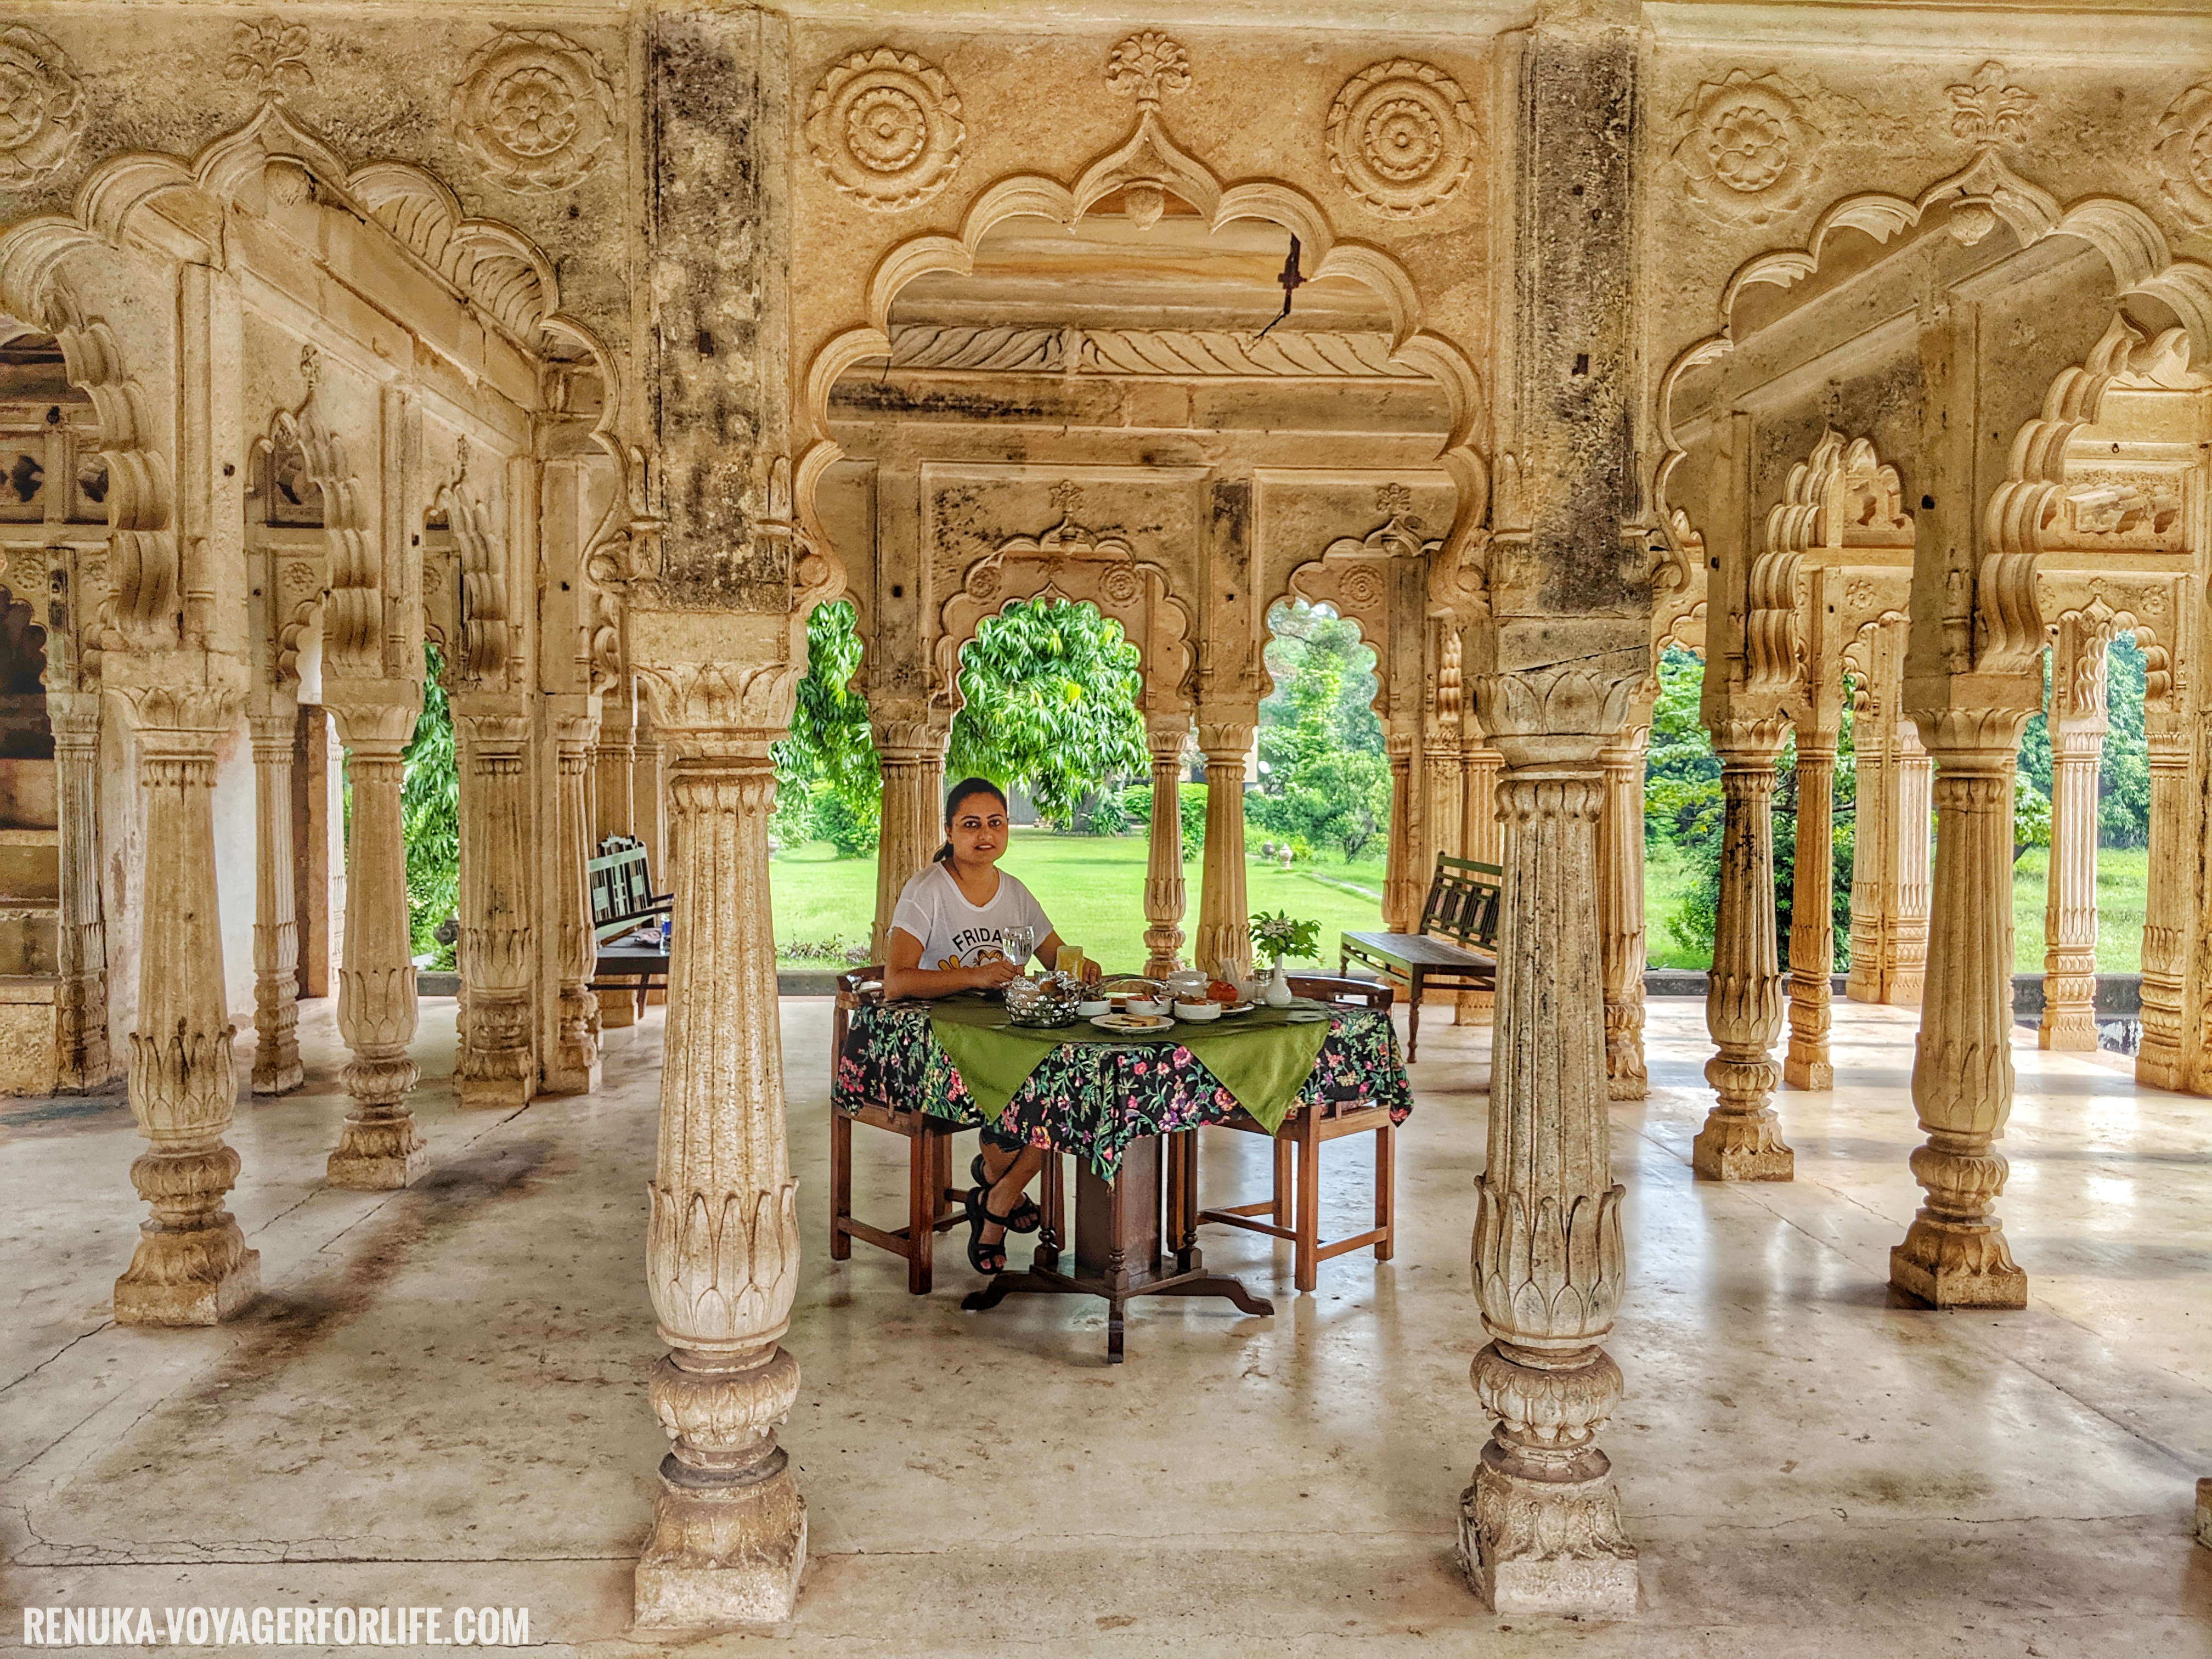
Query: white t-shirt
{"x": 955, "y": 933}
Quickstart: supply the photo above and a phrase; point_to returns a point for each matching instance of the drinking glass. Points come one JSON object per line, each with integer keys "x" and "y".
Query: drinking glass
{"x": 1018, "y": 943}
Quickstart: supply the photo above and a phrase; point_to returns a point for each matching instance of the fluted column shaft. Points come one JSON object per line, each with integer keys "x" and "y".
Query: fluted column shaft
{"x": 2069, "y": 914}
{"x": 82, "y": 1059}
{"x": 1741, "y": 1140}
{"x": 497, "y": 1065}
{"x": 1404, "y": 883}
{"x": 2167, "y": 1057}
{"x": 912, "y": 824}
{"x": 1909, "y": 945}
{"x": 1954, "y": 1254}
{"x": 191, "y": 1266}
{"x": 1225, "y": 924}
{"x": 1874, "y": 852}
{"x": 576, "y": 1061}
{"x": 277, "y": 1068}
{"x": 1481, "y": 767}
{"x": 378, "y": 1147}
{"x": 1165, "y": 897}
{"x": 729, "y": 1532}
{"x": 1540, "y": 1525}
{"x": 1621, "y": 914}
{"x": 1812, "y": 918}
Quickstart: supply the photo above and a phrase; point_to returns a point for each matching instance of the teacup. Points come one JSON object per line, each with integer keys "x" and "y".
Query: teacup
{"x": 1145, "y": 1006}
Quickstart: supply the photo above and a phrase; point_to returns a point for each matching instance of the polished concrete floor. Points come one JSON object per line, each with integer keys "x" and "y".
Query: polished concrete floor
{"x": 439, "y": 1400}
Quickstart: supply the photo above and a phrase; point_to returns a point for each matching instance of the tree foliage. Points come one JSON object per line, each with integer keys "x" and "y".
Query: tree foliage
{"x": 1324, "y": 781}
{"x": 430, "y": 816}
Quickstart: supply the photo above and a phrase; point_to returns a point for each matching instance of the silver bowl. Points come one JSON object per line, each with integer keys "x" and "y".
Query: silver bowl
{"x": 1049, "y": 1001}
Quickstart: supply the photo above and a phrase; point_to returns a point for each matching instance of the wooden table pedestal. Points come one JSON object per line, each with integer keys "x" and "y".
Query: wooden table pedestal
{"x": 1121, "y": 1250}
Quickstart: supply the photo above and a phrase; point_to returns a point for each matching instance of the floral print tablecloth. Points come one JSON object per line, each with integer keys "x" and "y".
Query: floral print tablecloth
{"x": 1093, "y": 1098}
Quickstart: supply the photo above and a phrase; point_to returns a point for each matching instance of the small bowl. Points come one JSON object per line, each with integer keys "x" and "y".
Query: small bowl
{"x": 1198, "y": 1012}
{"x": 1145, "y": 1006}
{"x": 1092, "y": 1010}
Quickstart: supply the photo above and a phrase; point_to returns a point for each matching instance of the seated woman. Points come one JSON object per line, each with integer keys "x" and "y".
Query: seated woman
{"x": 948, "y": 934}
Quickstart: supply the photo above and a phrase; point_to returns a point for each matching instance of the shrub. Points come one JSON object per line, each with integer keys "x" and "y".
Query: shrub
{"x": 852, "y": 833}
{"x": 1106, "y": 814}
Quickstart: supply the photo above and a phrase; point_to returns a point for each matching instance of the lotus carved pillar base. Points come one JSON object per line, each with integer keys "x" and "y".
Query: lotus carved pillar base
{"x": 1954, "y": 1254}
{"x": 378, "y": 1149}
{"x": 191, "y": 1266}
{"x": 1741, "y": 1140}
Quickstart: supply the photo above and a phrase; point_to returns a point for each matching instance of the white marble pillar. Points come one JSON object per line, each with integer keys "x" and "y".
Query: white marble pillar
{"x": 498, "y": 1064}
{"x": 191, "y": 1266}
{"x": 722, "y": 1254}
{"x": 1164, "y": 898}
{"x": 2168, "y": 1055}
{"x": 1909, "y": 944}
{"x": 378, "y": 1147}
{"x": 910, "y": 748}
{"x": 1225, "y": 924}
{"x": 1540, "y": 1527}
{"x": 82, "y": 1058}
{"x": 2077, "y": 721}
{"x": 1812, "y": 916}
{"x": 1620, "y": 909}
{"x": 1954, "y": 1254}
{"x": 575, "y": 1068}
{"x": 1741, "y": 1140}
{"x": 277, "y": 1068}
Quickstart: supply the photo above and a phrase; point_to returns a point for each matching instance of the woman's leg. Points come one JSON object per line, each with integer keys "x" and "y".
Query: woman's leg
{"x": 1008, "y": 1171}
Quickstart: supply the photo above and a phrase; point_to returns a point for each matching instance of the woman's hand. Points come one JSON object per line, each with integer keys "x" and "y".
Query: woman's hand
{"x": 989, "y": 976}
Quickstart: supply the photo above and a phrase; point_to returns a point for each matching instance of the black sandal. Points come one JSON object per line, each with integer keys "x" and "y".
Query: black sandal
{"x": 1026, "y": 1216}
{"x": 979, "y": 1253}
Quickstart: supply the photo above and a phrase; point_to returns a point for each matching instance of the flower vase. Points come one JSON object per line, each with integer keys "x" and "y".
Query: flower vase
{"x": 1278, "y": 994}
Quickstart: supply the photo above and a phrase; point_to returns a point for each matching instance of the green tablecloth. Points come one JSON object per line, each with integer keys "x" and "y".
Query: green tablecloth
{"x": 1261, "y": 1057}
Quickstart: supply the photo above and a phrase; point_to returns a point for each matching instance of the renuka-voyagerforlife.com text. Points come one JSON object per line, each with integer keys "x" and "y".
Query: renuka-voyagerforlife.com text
{"x": 291, "y": 1627}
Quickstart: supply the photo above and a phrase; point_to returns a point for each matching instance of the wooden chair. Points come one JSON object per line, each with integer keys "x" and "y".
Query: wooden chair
{"x": 622, "y": 900}
{"x": 934, "y": 1203}
{"x": 1293, "y": 1211}
{"x": 1457, "y": 945}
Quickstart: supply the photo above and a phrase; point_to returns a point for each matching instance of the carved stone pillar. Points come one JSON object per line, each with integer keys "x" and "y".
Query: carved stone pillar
{"x": 379, "y": 1148}
{"x": 1812, "y": 918}
{"x": 191, "y": 1266}
{"x": 2070, "y": 913}
{"x": 1740, "y": 1140}
{"x": 912, "y": 754}
{"x": 2078, "y": 720}
{"x": 2166, "y": 1057}
{"x": 575, "y": 1068}
{"x": 1164, "y": 885}
{"x": 1954, "y": 1254}
{"x": 1620, "y": 912}
{"x": 1481, "y": 767}
{"x": 614, "y": 766}
{"x": 1225, "y": 924}
{"x": 1404, "y": 884}
{"x": 81, "y": 1056}
{"x": 729, "y": 1530}
{"x": 1873, "y": 847}
{"x": 1540, "y": 1527}
{"x": 497, "y": 1065}
{"x": 1909, "y": 945}
{"x": 277, "y": 1068}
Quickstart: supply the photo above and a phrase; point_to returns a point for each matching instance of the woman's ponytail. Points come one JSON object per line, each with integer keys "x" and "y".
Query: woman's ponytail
{"x": 943, "y": 854}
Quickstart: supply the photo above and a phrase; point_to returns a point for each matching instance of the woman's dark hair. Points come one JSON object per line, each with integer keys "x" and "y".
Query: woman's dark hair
{"x": 958, "y": 792}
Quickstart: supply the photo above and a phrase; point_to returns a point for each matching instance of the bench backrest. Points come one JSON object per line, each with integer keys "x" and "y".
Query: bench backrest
{"x": 621, "y": 887}
{"x": 1463, "y": 903}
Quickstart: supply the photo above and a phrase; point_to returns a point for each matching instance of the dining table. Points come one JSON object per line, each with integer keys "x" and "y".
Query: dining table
{"x": 1124, "y": 1105}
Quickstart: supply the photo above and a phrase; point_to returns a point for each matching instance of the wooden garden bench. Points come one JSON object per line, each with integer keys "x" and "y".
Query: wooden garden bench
{"x": 1456, "y": 948}
{"x": 623, "y": 900}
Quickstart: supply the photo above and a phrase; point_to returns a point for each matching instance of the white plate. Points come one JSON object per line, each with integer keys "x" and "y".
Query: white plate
{"x": 1134, "y": 1024}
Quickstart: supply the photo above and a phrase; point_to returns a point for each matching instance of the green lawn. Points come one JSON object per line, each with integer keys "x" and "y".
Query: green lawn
{"x": 1091, "y": 886}
{"x": 1667, "y": 877}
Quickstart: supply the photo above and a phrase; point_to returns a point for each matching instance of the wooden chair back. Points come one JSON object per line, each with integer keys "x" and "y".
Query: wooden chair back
{"x": 1463, "y": 903}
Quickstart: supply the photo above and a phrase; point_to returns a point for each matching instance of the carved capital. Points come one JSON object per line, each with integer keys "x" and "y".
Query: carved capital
{"x": 376, "y": 718}
{"x": 1163, "y": 738}
{"x": 179, "y": 719}
{"x": 1541, "y": 715}
{"x": 717, "y": 708}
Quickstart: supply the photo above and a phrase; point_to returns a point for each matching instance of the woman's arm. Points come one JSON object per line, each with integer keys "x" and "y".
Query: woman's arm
{"x": 905, "y": 976}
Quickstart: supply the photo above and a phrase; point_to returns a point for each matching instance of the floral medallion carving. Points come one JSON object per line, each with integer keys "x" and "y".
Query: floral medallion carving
{"x": 884, "y": 128}
{"x": 272, "y": 54}
{"x": 41, "y": 105}
{"x": 1986, "y": 110}
{"x": 2185, "y": 155}
{"x": 1147, "y": 64}
{"x": 536, "y": 109}
{"x": 1401, "y": 136}
{"x": 1747, "y": 148}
